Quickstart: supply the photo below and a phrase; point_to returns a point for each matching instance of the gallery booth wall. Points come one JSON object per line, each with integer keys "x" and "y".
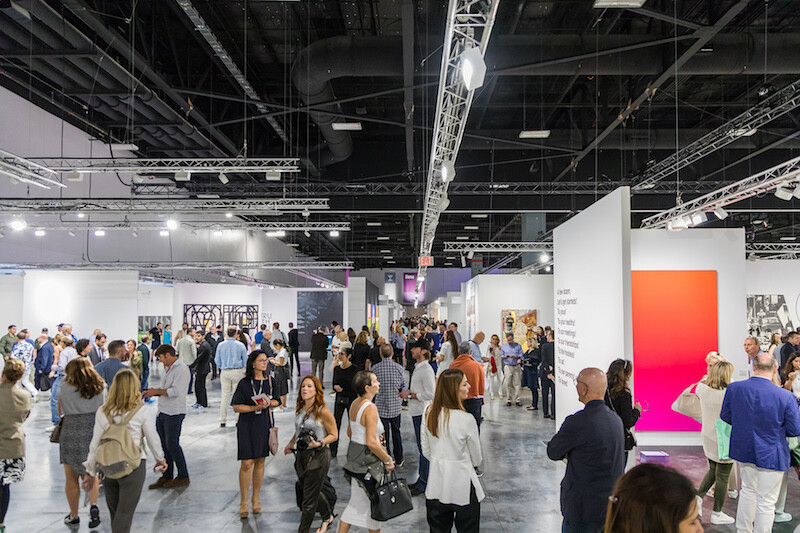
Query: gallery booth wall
{"x": 773, "y": 297}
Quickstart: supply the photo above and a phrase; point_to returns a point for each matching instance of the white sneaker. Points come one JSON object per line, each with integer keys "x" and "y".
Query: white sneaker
{"x": 780, "y": 518}
{"x": 49, "y": 429}
{"x": 733, "y": 494}
{"x": 699, "y": 506}
{"x": 720, "y": 518}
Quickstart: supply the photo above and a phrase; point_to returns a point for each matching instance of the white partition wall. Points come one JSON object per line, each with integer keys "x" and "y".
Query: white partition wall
{"x": 592, "y": 293}
{"x": 12, "y": 289}
{"x": 88, "y": 300}
{"x": 773, "y": 294}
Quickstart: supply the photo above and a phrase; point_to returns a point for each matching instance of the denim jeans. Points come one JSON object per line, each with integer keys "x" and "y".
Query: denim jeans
{"x": 391, "y": 428}
{"x": 424, "y": 464}
{"x": 573, "y": 526}
{"x": 55, "y": 389}
{"x": 169, "y": 430}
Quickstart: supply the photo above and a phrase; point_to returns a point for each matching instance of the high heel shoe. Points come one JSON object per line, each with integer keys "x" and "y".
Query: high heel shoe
{"x": 256, "y": 507}
{"x": 243, "y": 510}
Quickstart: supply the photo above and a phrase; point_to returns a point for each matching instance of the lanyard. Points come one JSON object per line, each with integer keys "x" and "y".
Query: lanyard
{"x": 260, "y": 387}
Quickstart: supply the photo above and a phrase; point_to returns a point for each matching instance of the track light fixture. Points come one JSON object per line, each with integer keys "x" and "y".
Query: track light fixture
{"x": 473, "y": 68}
{"x": 784, "y": 194}
{"x": 721, "y": 213}
{"x": 223, "y": 178}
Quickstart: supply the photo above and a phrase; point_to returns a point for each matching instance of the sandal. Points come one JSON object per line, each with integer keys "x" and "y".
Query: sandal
{"x": 326, "y": 524}
{"x": 256, "y": 507}
{"x": 243, "y": 510}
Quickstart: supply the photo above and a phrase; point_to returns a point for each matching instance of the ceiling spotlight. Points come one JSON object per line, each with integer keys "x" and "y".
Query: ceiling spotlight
{"x": 73, "y": 175}
{"x": 721, "y": 213}
{"x": 473, "y": 68}
{"x": 99, "y": 233}
{"x": 183, "y": 175}
{"x": 306, "y": 213}
{"x": 697, "y": 218}
{"x": 307, "y": 233}
{"x": 81, "y": 215}
{"x": 548, "y": 268}
{"x": 766, "y": 90}
{"x": 796, "y": 192}
{"x": 164, "y": 233}
{"x": 463, "y": 261}
{"x": 18, "y": 224}
{"x": 232, "y": 273}
{"x": 448, "y": 171}
{"x": 444, "y": 203}
{"x": 272, "y": 175}
{"x": 743, "y": 132}
{"x": 172, "y": 224}
{"x": 228, "y": 215}
{"x": 276, "y": 233}
{"x": 470, "y": 254}
{"x": 71, "y": 233}
{"x": 39, "y": 233}
{"x": 223, "y": 178}
{"x": 784, "y": 194}
{"x": 544, "y": 258}
{"x": 787, "y": 238}
{"x": 334, "y": 233}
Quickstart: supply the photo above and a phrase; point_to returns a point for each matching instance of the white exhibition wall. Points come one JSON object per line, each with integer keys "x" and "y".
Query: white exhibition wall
{"x": 592, "y": 293}
{"x": 88, "y": 300}
{"x": 780, "y": 280}
{"x": 356, "y": 303}
{"x": 495, "y": 293}
{"x": 456, "y": 309}
{"x": 12, "y": 289}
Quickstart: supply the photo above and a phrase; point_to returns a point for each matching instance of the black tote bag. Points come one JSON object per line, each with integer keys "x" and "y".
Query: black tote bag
{"x": 391, "y": 499}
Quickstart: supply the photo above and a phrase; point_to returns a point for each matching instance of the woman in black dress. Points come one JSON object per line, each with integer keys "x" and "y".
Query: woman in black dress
{"x": 252, "y": 430}
{"x": 345, "y": 392}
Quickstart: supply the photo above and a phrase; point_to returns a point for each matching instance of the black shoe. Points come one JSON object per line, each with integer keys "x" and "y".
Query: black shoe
{"x": 479, "y": 472}
{"x": 222, "y": 424}
{"x": 68, "y": 520}
{"x": 94, "y": 515}
{"x": 416, "y": 492}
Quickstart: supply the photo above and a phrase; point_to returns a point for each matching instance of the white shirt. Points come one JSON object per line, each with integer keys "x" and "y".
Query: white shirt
{"x": 453, "y": 457}
{"x": 142, "y": 427}
{"x": 446, "y": 351}
{"x": 423, "y": 384}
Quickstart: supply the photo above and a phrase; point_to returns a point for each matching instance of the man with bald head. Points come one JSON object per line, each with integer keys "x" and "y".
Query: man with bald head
{"x": 593, "y": 443}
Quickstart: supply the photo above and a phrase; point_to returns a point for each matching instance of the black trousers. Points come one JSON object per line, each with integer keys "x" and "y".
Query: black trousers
{"x": 338, "y": 414}
{"x": 391, "y": 428}
{"x": 473, "y": 406}
{"x": 548, "y": 389}
{"x": 442, "y": 516}
{"x": 200, "y": 389}
{"x": 122, "y": 497}
{"x": 311, "y": 481}
{"x": 296, "y": 357}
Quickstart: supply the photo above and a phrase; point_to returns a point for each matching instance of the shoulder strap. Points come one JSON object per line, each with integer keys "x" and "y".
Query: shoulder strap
{"x": 361, "y": 410}
{"x": 131, "y": 414}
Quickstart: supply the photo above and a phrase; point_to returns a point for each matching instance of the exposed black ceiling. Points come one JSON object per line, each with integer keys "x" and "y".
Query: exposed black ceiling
{"x": 149, "y": 76}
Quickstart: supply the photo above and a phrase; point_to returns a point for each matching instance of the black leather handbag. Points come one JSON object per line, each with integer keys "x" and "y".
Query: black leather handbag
{"x": 391, "y": 499}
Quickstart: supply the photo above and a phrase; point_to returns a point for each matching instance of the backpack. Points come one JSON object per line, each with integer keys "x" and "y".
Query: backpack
{"x": 117, "y": 456}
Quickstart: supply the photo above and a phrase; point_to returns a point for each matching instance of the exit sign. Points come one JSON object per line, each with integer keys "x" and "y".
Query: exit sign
{"x": 426, "y": 260}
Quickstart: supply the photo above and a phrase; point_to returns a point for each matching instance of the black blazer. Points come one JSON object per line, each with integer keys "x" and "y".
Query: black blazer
{"x": 548, "y": 358}
{"x": 293, "y": 340}
{"x": 592, "y": 441}
{"x": 319, "y": 346}
{"x": 203, "y": 361}
{"x": 214, "y": 343}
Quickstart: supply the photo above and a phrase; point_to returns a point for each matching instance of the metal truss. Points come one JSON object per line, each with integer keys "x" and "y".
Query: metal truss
{"x": 21, "y": 169}
{"x": 169, "y": 166}
{"x": 773, "y": 250}
{"x": 155, "y": 225}
{"x": 319, "y": 280}
{"x": 752, "y": 186}
{"x": 773, "y": 107}
{"x": 499, "y": 247}
{"x": 164, "y": 206}
{"x": 183, "y": 265}
{"x": 414, "y": 189}
{"x": 530, "y": 269}
{"x": 469, "y": 25}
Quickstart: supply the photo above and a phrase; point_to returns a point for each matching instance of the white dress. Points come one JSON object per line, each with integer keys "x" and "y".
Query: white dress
{"x": 358, "y": 511}
{"x": 447, "y": 353}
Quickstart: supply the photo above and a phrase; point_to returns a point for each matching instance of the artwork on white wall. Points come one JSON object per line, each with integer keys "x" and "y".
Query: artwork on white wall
{"x": 767, "y": 314}
{"x": 203, "y": 316}
{"x": 519, "y": 322}
{"x": 148, "y": 322}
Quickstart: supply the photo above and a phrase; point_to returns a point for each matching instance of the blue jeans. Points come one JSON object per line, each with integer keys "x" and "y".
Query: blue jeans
{"x": 424, "y": 464}
{"x": 55, "y": 389}
{"x": 145, "y": 377}
{"x": 169, "y": 430}
{"x": 532, "y": 374}
{"x": 573, "y": 526}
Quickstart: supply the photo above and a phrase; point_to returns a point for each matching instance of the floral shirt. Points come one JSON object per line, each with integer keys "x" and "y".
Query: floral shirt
{"x": 23, "y": 351}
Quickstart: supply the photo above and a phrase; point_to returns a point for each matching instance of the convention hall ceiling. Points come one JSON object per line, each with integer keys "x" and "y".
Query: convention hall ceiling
{"x": 272, "y": 78}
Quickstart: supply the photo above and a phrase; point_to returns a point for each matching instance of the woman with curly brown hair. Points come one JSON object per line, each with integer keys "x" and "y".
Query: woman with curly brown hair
{"x": 80, "y": 397}
{"x": 16, "y": 404}
{"x": 315, "y": 430}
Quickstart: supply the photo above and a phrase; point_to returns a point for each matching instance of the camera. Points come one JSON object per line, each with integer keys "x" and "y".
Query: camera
{"x": 304, "y": 438}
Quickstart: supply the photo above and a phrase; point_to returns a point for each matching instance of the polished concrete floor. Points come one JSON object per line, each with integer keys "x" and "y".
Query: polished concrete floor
{"x": 521, "y": 483}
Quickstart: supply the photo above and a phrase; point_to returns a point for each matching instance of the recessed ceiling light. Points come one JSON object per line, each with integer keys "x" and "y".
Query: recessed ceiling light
{"x": 293, "y": 244}
{"x": 99, "y": 232}
{"x": 374, "y": 224}
{"x": 534, "y": 134}
{"x": 386, "y": 251}
{"x": 18, "y": 224}
{"x": 346, "y": 126}
{"x": 164, "y": 233}
{"x": 383, "y": 238}
{"x": 599, "y": 4}
{"x": 228, "y": 215}
{"x": 462, "y": 238}
{"x": 471, "y": 227}
{"x": 479, "y": 215}
{"x": 788, "y": 238}
{"x": 39, "y": 233}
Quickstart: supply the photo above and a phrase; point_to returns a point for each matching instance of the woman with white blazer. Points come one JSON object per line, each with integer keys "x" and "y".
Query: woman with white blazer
{"x": 451, "y": 443}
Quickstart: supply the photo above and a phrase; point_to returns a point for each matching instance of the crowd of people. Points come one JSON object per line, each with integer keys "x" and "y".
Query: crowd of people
{"x": 99, "y": 393}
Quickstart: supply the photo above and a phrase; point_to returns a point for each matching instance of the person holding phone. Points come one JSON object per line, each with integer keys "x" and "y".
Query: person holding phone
{"x": 253, "y": 400}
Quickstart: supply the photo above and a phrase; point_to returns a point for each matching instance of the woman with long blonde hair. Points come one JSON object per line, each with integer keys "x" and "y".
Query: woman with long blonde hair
{"x": 80, "y": 396}
{"x": 450, "y": 441}
{"x": 124, "y": 404}
{"x": 315, "y": 430}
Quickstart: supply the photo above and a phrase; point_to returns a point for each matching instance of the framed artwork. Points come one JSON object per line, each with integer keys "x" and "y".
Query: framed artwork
{"x": 202, "y": 316}
{"x": 520, "y": 323}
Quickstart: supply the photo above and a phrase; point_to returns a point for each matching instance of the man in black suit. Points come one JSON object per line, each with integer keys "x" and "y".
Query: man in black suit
{"x": 213, "y": 338}
{"x": 547, "y": 372}
{"x": 294, "y": 346}
{"x": 592, "y": 440}
{"x": 202, "y": 367}
{"x": 791, "y": 346}
{"x": 319, "y": 352}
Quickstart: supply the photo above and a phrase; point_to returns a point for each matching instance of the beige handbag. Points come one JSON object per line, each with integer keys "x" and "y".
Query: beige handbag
{"x": 688, "y": 404}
